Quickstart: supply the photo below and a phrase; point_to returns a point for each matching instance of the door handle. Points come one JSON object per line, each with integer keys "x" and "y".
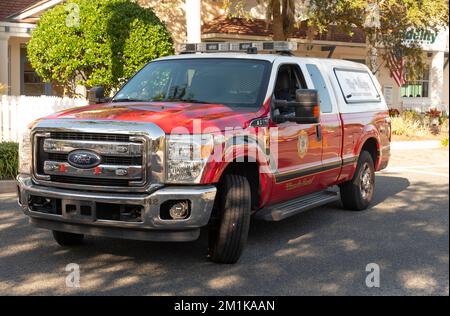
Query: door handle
{"x": 319, "y": 132}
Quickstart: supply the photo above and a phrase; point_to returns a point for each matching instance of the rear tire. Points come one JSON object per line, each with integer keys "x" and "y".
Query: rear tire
{"x": 228, "y": 236}
{"x": 67, "y": 239}
{"x": 357, "y": 194}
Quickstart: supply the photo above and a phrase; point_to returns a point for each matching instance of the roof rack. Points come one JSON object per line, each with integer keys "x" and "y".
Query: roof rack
{"x": 280, "y": 47}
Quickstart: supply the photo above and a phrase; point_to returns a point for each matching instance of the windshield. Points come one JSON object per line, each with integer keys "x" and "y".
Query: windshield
{"x": 232, "y": 82}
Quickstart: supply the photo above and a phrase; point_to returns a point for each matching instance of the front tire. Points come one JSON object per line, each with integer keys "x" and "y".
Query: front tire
{"x": 228, "y": 236}
{"x": 357, "y": 194}
{"x": 67, "y": 239}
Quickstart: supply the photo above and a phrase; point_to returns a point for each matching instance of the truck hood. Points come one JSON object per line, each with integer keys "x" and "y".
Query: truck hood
{"x": 167, "y": 115}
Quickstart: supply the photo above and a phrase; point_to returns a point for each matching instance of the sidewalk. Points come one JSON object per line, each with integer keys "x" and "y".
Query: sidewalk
{"x": 412, "y": 145}
{"x": 7, "y": 186}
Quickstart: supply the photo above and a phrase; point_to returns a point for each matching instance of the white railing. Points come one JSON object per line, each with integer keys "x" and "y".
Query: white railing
{"x": 16, "y": 112}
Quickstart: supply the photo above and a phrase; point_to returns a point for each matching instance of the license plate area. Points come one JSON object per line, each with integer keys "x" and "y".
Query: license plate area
{"x": 79, "y": 210}
{"x": 85, "y": 210}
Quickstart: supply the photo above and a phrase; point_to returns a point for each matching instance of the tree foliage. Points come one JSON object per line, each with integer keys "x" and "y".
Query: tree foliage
{"x": 96, "y": 42}
{"x": 396, "y": 18}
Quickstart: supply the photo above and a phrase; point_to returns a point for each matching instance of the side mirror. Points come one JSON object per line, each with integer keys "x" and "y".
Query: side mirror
{"x": 308, "y": 109}
{"x": 97, "y": 95}
{"x": 304, "y": 110}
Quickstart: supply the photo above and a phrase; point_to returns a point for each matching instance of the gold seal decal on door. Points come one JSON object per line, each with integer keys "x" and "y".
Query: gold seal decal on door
{"x": 303, "y": 144}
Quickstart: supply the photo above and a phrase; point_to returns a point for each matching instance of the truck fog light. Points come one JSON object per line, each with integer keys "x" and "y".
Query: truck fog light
{"x": 175, "y": 209}
{"x": 179, "y": 210}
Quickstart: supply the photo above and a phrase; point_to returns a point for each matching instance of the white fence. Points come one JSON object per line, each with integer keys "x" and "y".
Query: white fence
{"x": 17, "y": 112}
{"x": 421, "y": 105}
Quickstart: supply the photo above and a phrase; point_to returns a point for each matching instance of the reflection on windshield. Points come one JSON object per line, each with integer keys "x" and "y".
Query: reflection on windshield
{"x": 232, "y": 82}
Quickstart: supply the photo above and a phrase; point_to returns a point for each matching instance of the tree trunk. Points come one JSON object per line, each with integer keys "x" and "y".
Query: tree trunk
{"x": 288, "y": 17}
{"x": 277, "y": 24}
{"x": 372, "y": 53}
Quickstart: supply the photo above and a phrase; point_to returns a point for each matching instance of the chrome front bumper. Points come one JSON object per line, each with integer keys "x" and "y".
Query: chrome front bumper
{"x": 152, "y": 227}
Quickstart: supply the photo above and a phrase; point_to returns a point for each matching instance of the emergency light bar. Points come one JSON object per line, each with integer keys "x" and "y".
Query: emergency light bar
{"x": 250, "y": 47}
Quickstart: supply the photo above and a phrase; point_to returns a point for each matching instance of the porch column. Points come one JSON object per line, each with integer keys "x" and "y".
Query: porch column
{"x": 193, "y": 21}
{"x": 437, "y": 79}
{"x": 4, "y": 61}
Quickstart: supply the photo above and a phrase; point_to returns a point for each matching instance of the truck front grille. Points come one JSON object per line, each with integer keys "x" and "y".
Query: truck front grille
{"x": 110, "y": 160}
{"x": 90, "y": 136}
{"x": 123, "y": 159}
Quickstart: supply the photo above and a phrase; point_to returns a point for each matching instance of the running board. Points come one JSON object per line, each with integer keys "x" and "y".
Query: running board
{"x": 287, "y": 209}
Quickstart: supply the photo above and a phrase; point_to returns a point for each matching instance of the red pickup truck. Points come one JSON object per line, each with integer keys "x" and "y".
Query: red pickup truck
{"x": 207, "y": 140}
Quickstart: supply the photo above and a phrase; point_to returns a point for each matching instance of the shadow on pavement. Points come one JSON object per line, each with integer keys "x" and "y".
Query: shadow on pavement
{"x": 320, "y": 252}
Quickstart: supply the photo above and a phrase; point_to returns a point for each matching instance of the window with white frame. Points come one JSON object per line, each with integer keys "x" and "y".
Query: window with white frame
{"x": 418, "y": 88}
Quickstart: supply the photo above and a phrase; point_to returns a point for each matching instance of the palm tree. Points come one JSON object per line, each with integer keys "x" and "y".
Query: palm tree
{"x": 282, "y": 15}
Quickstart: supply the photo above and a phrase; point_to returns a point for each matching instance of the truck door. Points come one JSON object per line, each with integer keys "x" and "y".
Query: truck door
{"x": 298, "y": 146}
{"x": 331, "y": 126}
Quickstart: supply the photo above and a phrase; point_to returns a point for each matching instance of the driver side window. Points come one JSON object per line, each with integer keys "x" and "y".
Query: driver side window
{"x": 289, "y": 80}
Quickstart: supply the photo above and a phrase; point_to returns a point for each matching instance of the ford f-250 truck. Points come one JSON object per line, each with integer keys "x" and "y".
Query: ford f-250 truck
{"x": 207, "y": 140}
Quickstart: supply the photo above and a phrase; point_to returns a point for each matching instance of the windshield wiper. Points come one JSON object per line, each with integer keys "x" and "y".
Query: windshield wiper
{"x": 127, "y": 100}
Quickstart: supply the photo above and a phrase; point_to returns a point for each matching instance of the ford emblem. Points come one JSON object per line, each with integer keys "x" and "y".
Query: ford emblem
{"x": 83, "y": 159}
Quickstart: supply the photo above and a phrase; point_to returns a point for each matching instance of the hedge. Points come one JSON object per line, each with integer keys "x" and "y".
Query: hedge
{"x": 9, "y": 160}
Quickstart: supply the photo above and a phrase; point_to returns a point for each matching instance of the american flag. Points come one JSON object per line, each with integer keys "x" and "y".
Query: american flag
{"x": 396, "y": 65}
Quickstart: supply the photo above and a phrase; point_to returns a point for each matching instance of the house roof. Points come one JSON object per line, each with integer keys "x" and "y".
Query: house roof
{"x": 259, "y": 27}
{"x": 9, "y": 7}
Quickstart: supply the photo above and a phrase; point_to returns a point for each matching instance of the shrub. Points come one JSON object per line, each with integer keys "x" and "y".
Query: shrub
{"x": 9, "y": 160}
{"x": 444, "y": 142}
{"x": 443, "y": 119}
{"x": 410, "y": 124}
{"x": 411, "y": 115}
{"x": 394, "y": 113}
{"x": 96, "y": 42}
{"x": 444, "y": 125}
{"x": 407, "y": 127}
{"x": 433, "y": 113}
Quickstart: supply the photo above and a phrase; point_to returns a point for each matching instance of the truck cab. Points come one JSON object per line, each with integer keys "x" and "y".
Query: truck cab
{"x": 208, "y": 139}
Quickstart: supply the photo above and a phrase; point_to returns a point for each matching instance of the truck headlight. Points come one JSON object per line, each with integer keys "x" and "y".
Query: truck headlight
{"x": 25, "y": 152}
{"x": 187, "y": 156}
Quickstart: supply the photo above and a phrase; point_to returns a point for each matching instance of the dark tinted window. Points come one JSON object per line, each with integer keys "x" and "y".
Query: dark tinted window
{"x": 289, "y": 80}
{"x": 233, "y": 82}
{"x": 321, "y": 87}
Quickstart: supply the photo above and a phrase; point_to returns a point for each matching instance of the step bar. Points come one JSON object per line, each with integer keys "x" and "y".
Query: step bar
{"x": 278, "y": 212}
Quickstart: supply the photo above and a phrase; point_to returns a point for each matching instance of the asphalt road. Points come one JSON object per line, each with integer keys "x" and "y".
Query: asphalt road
{"x": 321, "y": 252}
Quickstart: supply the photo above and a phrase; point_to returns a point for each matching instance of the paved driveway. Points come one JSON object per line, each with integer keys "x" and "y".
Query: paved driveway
{"x": 320, "y": 252}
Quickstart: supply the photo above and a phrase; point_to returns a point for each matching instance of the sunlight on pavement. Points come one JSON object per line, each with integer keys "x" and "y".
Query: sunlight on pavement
{"x": 225, "y": 282}
{"x": 418, "y": 280}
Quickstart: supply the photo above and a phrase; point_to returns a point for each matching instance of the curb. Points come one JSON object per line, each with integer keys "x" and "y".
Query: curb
{"x": 7, "y": 186}
{"x": 412, "y": 145}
